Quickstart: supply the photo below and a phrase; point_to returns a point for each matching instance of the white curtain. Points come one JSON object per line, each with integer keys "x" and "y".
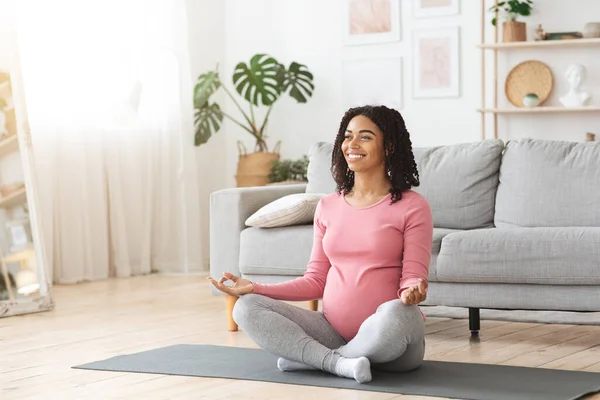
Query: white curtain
{"x": 108, "y": 89}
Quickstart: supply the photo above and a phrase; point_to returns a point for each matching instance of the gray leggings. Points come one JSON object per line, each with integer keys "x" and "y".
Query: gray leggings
{"x": 393, "y": 338}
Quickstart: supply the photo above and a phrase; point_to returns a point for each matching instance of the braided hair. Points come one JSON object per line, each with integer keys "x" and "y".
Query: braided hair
{"x": 400, "y": 164}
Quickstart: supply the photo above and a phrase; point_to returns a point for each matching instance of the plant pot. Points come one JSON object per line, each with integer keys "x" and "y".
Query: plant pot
{"x": 514, "y": 31}
{"x": 253, "y": 169}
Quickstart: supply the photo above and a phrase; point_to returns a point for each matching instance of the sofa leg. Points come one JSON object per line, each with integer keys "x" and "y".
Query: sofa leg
{"x": 474, "y": 321}
{"x": 313, "y": 305}
{"x": 230, "y": 302}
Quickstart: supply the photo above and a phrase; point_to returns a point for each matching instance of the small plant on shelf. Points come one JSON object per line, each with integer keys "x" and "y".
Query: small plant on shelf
{"x": 512, "y": 9}
{"x": 513, "y": 30}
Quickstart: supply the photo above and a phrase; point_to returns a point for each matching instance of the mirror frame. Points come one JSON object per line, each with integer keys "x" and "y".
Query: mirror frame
{"x": 43, "y": 301}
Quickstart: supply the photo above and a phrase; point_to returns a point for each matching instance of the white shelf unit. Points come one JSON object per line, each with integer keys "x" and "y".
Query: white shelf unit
{"x": 540, "y": 44}
{"x": 496, "y": 47}
{"x": 8, "y": 145}
{"x": 14, "y": 199}
{"x": 540, "y": 109}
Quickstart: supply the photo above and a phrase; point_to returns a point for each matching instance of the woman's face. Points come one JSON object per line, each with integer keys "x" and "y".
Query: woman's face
{"x": 363, "y": 145}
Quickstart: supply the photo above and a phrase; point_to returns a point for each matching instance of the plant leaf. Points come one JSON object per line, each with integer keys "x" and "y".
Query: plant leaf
{"x": 300, "y": 80}
{"x": 208, "y": 121}
{"x": 280, "y": 76}
{"x": 258, "y": 83}
{"x": 499, "y": 5}
{"x": 208, "y": 83}
{"x": 524, "y": 9}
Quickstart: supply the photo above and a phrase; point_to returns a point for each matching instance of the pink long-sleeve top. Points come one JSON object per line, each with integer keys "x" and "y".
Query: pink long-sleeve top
{"x": 361, "y": 258}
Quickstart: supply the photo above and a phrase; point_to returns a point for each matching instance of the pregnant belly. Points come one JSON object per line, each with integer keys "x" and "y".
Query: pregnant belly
{"x": 348, "y": 308}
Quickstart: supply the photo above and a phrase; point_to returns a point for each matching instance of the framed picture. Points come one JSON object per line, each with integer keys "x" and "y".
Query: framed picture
{"x": 436, "y": 64}
{"x": 374, "y": 81}
{"x": 435, "y": 8}
{"x": 371, "y": 21}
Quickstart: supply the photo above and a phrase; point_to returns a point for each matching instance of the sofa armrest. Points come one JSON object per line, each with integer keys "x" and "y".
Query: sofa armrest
{"x": 229, "y": 209}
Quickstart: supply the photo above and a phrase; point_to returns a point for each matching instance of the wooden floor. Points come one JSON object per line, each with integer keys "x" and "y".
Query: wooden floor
{"x": 98, "y": 320}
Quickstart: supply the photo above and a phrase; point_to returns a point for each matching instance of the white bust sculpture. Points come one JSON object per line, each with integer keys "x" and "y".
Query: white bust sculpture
{"x": 576, "y": 74}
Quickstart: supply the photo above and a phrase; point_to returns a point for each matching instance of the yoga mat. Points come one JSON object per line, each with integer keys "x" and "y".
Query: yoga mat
{"x": 433, "y": 378}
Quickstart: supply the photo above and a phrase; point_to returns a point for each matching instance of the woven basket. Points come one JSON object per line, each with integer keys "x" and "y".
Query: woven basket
{"x": 253, "y": 169}
{"x": 528, "y": 77}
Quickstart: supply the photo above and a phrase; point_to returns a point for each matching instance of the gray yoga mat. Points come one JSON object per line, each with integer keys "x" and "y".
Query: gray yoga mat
{"x": 434, "y": 378}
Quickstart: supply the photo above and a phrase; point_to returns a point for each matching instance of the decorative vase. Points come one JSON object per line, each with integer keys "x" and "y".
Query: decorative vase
{"x": 514, "y": 31}
{"x": 591, "y": 30}
{"x": 531, "y": 100}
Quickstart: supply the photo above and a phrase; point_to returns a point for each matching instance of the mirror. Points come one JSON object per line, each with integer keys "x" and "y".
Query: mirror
{"x": 24, "y": 287}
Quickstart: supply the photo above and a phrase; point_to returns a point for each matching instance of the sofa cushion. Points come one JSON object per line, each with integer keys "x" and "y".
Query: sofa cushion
{"x": 438, "y": 235}
{"x": 553, "y": 256}
{"x": 275, "y": 251}
{"x": 318, "y": 173}
{"x": 549, "y": 183}
{"x": 293, "y": 209}
{"x": 459, "y": 181}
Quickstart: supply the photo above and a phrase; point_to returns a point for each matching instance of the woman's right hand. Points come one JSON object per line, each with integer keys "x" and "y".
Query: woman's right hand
{"x": 240, "y": 286}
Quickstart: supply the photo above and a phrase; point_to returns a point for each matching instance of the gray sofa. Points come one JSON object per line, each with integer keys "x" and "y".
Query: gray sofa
{"x": 516, "y": 226}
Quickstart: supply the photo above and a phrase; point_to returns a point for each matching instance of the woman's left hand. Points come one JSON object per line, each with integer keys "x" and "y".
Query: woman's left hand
{"x": 415, "y": 294}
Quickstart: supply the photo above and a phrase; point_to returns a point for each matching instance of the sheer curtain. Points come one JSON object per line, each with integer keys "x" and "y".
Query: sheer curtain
{"x": 109, "y": 93}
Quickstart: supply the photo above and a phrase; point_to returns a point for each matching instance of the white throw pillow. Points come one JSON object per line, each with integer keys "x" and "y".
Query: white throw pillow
{"x": 293, "y": 209}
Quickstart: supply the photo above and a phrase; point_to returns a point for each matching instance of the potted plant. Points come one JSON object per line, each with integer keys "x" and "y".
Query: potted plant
{"x": 513, "y": 30}
{"x": 289, "y": 171}
{"x": 261, "y": 82}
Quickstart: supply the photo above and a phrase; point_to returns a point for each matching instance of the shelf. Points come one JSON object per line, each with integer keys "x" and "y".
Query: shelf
{"x": 9, "y": 145}
{"x": 14, "y": 199}
{"x": 542, "y": 43}
{"x": 5, "y": 89}
{"x": 541, "y": 109}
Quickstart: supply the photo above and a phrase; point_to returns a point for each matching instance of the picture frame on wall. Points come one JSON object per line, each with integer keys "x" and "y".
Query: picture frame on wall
{"x": 371, "y": 21}
{"x": 436, "y": 62}
{"x": 435, "y": 8}
{"x": 373, "y": 81}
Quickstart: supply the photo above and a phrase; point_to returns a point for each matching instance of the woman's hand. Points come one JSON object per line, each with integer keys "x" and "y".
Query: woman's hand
{"x": 240, "y": 286}
{"x": 415, "y": 294}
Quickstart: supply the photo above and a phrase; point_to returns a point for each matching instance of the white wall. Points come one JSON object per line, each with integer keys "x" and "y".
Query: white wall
{"x": 310, "y": 32}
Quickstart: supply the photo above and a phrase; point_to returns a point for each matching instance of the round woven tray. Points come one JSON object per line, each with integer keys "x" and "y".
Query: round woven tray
{"x": 528, "y": 77}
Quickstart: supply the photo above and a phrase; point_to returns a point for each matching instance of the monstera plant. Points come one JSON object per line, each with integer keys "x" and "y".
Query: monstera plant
{"x": 261, "y": 83}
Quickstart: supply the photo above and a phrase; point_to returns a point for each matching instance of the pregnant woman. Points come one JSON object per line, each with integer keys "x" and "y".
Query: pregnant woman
{"x": 369, "y": 263}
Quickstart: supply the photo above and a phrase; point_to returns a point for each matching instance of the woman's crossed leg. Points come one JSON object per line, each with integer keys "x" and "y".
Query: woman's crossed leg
{"x": 391, "y": 339}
